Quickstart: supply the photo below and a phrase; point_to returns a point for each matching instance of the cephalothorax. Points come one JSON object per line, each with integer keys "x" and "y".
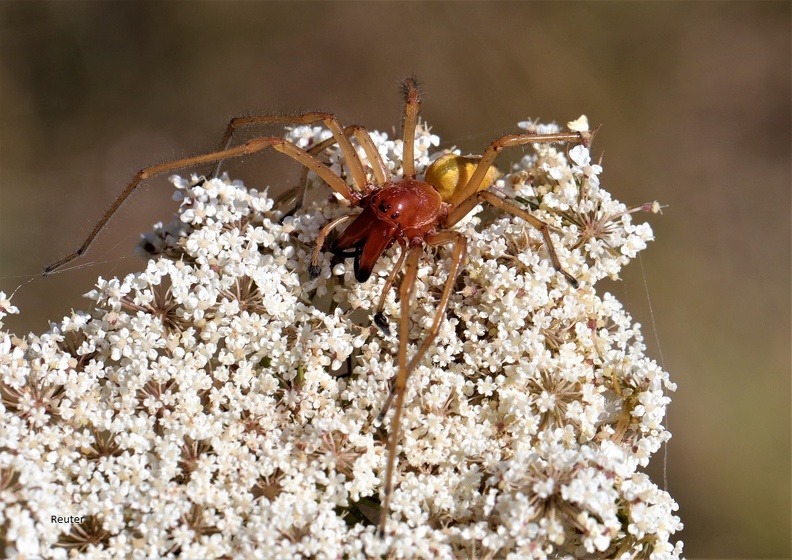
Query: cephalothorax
{"x": 407, "y": 210}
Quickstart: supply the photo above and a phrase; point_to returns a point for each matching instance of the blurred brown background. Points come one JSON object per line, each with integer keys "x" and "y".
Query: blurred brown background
{"x": 694, "y": 99}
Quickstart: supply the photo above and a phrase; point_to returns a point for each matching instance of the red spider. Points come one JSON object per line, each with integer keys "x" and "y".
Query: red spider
{"x": 407, "y": 210}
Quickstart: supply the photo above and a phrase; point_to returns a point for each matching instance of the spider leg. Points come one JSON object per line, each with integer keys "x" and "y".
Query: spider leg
{"x": 405, "y": 369}
{"x": 375, "y": 159}
{"x": 412, "y": 106}
{"x": 364, "y": 139}
{"x": 250, "y": 147}
{"x": 476, "y": 180}
{"x": 313, "y": 268}
{"x": 488, "y": 196}
{"x": 405, "y": 291}
{"x": 328, "y": 119}
{"x": 297, "y": 193}
{"x": 379, "y": 319}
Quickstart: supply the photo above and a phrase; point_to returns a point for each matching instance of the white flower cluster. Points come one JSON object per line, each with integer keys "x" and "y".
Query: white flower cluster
{"x": 222, "y": 404}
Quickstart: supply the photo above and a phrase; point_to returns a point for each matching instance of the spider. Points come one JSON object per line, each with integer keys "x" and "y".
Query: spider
{"x": 410, "y": 211}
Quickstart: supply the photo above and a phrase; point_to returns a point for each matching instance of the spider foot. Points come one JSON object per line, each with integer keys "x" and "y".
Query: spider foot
{"x": 386, "y": 408}
{"x": 571, "y": 279}
{"x": 382, "y": 322}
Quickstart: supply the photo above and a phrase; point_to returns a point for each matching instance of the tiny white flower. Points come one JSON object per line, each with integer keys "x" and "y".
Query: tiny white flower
{"x": 580, "y": 124}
